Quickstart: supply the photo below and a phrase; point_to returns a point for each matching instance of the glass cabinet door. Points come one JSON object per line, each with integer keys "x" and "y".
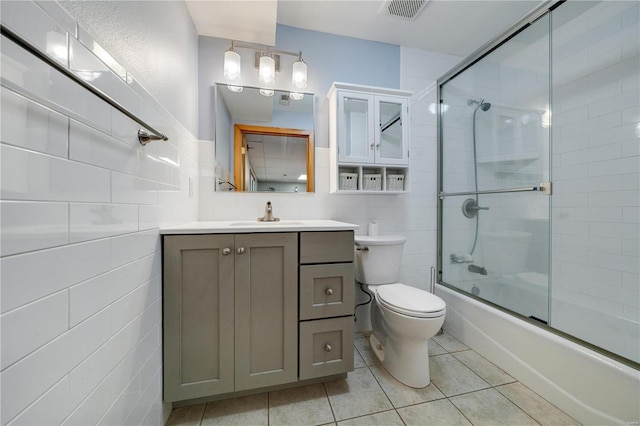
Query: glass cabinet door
{"x": 392, "y": 138}
{"x": 356, "y": 140}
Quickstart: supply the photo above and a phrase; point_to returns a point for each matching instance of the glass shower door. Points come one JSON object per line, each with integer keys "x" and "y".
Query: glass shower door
{"x": 494, "y": 161}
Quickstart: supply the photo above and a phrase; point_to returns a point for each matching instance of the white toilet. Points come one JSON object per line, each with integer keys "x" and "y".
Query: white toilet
{"x": 403, "y": 318}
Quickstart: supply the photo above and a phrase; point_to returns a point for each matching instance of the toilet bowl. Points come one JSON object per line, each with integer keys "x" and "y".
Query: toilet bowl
{"x": 403, "y": 318}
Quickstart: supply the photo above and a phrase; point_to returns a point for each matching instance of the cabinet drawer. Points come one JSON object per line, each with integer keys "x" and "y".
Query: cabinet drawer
{"x": 326, "y": 290}
{"x": 326, "y": 347}
{"x": 326, "y": 247}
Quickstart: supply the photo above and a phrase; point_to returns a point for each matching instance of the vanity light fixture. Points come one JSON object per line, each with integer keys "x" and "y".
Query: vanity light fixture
{"x": 232, "y": 64}
{"x": 267, "y": 70}
{"x": 235, "y": 89}
{"x": 296, "y": 96}
{"x": 266, "y": 92}
{"x": 299, "y": 73}
{"x": 267, "y": 61}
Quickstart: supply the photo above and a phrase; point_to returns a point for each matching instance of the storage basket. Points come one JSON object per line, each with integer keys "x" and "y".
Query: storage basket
{"x": 348, "y": 181}
{"x": 395, "y": 182}
{"x": 372, "y": 182}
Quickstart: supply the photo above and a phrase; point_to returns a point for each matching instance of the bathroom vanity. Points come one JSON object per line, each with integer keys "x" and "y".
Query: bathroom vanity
{"x": 251, "y": 306}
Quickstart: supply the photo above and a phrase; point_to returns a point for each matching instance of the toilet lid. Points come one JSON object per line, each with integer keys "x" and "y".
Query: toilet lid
{"x": 410, "y": 301}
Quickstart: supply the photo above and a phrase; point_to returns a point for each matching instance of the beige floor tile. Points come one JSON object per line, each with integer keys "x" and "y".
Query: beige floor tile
{"x": 365, "y": 351}
{"x": 186, "y": 416}
{"x": 489, "y": 407}
{"x": 357, "y": 395}
{"x": 306, "y": 405}
{"x": 242, "y": 411}
{"x": 401, "y": 395}
{"x": 452, "y": 377}
{"x": 533, "y": 404}
{"x": 386, "y": 418}
{"x": 358, "y": 362}
{"x": 440, "y": 412}
{"x": 435, "y": 348}
{"x": 450, "y": 343}
{"x": 483, "y": 368}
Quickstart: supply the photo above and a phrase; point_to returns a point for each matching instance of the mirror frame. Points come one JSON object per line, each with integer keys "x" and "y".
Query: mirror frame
{"x": 239, "y": 154}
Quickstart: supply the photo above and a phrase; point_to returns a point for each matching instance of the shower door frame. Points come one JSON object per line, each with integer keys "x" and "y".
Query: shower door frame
{"x": 471, "y": 60}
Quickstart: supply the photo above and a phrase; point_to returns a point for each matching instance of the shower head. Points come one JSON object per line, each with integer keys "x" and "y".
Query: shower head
{"x": 480, "y": 104}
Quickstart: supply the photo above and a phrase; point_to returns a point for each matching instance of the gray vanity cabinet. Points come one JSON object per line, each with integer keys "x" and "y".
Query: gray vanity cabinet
{"x": 326, "y": 303}
{"x": 230, "y": 313}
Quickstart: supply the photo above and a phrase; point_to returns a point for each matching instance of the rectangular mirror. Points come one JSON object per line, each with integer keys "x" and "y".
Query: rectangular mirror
{"x": 263, "y": 142}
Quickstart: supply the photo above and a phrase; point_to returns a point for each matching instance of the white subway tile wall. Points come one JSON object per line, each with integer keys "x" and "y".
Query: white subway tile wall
{"x": 80, "y": 307}
{"x": 596, "y": 172}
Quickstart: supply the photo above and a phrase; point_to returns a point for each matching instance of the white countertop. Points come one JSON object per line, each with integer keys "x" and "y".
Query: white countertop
{"x": 245, "y": 226}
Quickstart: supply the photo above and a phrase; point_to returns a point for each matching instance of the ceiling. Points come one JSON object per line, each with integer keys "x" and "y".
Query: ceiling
{"x": 455, "y": 27}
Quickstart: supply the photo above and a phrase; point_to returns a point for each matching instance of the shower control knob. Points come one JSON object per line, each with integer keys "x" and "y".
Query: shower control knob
{"x": 327, "y": 348}
{"x": 328, "y": 292}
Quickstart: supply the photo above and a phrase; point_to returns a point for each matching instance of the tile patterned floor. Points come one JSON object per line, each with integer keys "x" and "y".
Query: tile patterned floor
{"x": 465, "y": 389}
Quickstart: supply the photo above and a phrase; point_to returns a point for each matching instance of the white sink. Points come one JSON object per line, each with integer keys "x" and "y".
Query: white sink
{"x": 256, "y": 223}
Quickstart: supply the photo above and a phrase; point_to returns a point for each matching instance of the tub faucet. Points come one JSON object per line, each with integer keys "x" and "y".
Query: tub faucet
{"x": 268, "y": 214}
{"x": 477, "y": 269}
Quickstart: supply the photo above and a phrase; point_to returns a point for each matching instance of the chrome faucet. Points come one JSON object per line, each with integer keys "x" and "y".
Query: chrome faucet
{"x": 268, "y": 214}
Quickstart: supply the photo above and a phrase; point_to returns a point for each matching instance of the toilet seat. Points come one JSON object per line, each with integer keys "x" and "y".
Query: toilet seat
{"x": 410, "y": 301}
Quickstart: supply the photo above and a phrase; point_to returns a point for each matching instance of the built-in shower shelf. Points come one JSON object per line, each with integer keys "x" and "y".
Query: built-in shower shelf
{"x": 510, "y": 158}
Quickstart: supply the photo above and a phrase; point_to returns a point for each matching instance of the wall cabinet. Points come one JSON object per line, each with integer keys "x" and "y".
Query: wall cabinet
{"x": 230, "y": 313}
{"x": 369, "y": 138}
{"x": 231, "y": 304}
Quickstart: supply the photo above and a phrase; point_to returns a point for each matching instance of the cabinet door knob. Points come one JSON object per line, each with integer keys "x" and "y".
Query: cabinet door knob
{"x": 240, "y": 250}
{"x": 327, "y": 347}
{"x": 373, "y": 145}
{"x": 329, "y": 292}
{"x": 226, "y": 251}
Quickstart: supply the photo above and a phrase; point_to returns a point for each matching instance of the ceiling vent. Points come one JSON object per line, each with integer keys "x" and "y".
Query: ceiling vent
{"x": 404, "y": 9}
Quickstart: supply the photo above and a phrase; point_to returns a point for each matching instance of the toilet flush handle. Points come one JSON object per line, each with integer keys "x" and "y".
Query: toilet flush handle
{"x": 364, "y": 249}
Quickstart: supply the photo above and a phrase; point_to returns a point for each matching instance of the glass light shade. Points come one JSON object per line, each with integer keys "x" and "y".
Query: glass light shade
{"x": 296, "y": 96}
{"x": 232, "y": 67}
{"x": 235, "y": 89}
{"x": 299, "y": 75}
{"x": 267, "y": 71}
{"x": 266, "y": 92}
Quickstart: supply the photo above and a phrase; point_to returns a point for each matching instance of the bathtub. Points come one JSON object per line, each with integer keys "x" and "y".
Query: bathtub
{"x": 589, "y": 386}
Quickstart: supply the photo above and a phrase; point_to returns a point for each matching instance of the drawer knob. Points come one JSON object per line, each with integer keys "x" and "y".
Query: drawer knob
{"x": 329, "y": 292}
{"x": 226, "y": 251}
{"x": 240, "y": 250}
{"x": 327, "y": 347}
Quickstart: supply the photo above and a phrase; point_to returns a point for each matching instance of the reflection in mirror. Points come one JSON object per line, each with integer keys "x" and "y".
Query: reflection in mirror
{"x": 273, "y": 159}
{"x": 391, "y": 130}
{"x": 263, "y": 143}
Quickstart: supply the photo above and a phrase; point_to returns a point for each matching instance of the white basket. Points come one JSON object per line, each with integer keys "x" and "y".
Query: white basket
{"x": 372, "y": 182}
{"x": 395, "y": 182}
{"x": 348, "y": 181}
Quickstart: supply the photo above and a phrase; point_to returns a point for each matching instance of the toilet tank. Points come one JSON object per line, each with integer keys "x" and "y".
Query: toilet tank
{"x": 378, "y": 258}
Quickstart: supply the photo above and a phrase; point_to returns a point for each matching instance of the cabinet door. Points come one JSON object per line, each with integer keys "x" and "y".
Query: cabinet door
{"x": 356, "y": 119}
{"x": 266, "y": 309}
{"x": 198, "y": 316}
{"x": 392, "y": 138}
